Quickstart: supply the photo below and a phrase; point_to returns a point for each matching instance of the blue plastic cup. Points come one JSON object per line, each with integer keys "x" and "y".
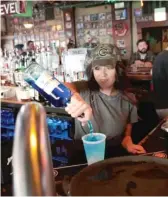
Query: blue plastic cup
{"x": 94, "y": 145}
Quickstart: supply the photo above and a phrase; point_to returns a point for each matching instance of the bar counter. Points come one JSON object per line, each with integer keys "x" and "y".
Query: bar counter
{"x": 155, "y": 144}
{"x": 139, "y": 77}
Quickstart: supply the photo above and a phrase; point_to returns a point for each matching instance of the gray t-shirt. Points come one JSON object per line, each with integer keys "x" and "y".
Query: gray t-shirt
{"x": 111, "y": 114}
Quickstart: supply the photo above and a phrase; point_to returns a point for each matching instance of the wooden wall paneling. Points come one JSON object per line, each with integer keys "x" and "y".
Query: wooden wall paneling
{"x": 122, "y": 31}
{"x": 69, "y": 24}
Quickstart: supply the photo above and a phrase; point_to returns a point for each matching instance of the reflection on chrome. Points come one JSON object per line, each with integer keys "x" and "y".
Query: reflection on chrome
{"x": 32, "y": 163}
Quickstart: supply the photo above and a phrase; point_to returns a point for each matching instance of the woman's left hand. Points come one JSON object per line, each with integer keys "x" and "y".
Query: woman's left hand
{"x": 131, "y": 147}
{"x": 135, "y": 149}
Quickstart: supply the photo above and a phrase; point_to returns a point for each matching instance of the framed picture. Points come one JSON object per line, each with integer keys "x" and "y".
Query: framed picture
{"x": 59, "y": 27}
{"x": 109, "y": 16}
{"x": 138, "y": 12}
{"x": 110, "y": 31}
{"x": 79, "y": 19}
{"x": 102, "y": 32}
{"x": 101, "y": 25}
{"x": 68, "y": 25}
{"x": 120, "y": 43}
{"x": 57, "y": 11}
{"x": 87, "y": 18}
{"x": 67, "y": 16}
{"x": 80, "y": 33}
{"x": 109, "y": 24}
{"x": 61, "y": 34}
{"x": 69, "y": 34}
{"x": 119, "y": 5}
{"x": 94, "y": 17}
{"x": 95, "y": 25}
{"x": 94, "y": 32}
{"x": 120, "y": 14}
{"x": 79, "y": 25}
{"x": 102, "y": 16}
{"x": 87, "y": 25}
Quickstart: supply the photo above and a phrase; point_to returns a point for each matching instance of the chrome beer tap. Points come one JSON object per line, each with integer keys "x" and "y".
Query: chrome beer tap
{"x": 32, "y": 161}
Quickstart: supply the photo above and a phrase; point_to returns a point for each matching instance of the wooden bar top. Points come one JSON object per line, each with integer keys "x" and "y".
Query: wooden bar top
{"x": 14, "y": 101}
{"x": 139, "y": 77}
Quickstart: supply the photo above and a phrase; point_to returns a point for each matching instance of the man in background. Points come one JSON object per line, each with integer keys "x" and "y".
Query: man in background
{"x": 143, "y": 57}
{"x": 19, "y": 48}
{"x": 30, "y": 47}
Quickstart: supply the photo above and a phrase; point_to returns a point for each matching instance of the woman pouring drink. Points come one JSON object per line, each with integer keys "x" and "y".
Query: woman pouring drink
{"x": 103, "y": 100}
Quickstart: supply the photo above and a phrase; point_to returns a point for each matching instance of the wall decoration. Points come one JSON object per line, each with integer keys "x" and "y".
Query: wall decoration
{"x": 119, "y": 5}
{"x": 93, "y": 17}
{"x": 79, "y": 19}
{"x": 93, "y": 29}
{"x": 120, "y": 43}
{"x": 109, "y": 24}
{"x": 138, "y": 12}
{"x": 80, "y": 33}
{"x": 120, "y": 14}
{"x": 101, "y": 25}
{"x": 120, "y": 29}
{"x": 87, "y": 25}
{"x": 57, "y": 11}
{"x": 109, "y": 16}
{"x": 68, "y": 25}
{"x": 102, "y": 16}
{"x": 68, "y": 34}
{"x": 87, "y": 18}
{"x": 79, "y": 25}
{"x": 89, "y": 40}
{"x": 95, "y": 25}
{"x": 110, "y": 31}
{"x": 59, "y": 27}
{"x": 94, "y": 32}
{"x": 102, "y": 32}
{"x": 61, "y": 34}
{"x": 146, "y": 18}
{"x": 67, "y": 16}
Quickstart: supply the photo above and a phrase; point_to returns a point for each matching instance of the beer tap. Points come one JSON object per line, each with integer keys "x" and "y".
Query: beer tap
{"x": 32, "y": 161}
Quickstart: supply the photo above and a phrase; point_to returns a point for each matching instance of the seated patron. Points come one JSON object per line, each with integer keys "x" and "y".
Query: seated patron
{"x": 143, "y": 57}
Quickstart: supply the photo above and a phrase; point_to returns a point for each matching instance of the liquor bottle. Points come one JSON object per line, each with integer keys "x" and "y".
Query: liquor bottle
{"x": 47, "y": 85}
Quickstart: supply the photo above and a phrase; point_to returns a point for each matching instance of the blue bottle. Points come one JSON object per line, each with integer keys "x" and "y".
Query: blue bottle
{"x": 47, "y": 85}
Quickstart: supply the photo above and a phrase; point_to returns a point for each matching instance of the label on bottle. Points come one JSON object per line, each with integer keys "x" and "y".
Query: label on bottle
{"x": 47, "y": 83}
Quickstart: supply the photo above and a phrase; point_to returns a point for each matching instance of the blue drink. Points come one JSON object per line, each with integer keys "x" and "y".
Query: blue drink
{"x": 94, "y": 145}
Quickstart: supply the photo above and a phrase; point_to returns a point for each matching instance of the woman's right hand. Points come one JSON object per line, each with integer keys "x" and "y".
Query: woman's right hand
{"x": 78, "y": 107}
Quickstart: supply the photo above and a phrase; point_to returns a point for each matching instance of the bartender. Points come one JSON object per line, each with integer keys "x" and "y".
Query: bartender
{"x": 19, "y": 48}
{"x": 143, "y": 57}
{"x": 103, "y": 101}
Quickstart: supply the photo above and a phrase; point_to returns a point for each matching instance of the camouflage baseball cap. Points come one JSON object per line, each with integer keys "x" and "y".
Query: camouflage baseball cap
{"x": 104, "y": 54}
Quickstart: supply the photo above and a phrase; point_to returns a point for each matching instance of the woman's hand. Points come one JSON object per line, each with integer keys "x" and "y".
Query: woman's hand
{"x": 135, "y": 149}
{"x": 131, "y": 147}
{"x": 78, "y": 107}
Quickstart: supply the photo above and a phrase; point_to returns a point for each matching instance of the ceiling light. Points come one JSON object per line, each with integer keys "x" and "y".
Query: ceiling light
{"x": 28, "y": 25}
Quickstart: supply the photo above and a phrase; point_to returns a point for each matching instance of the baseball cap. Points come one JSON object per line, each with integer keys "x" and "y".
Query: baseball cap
{"x": 104, "y": 54}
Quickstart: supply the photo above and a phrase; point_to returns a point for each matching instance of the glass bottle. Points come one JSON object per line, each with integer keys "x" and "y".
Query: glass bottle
{"x": 47, "y": 85}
